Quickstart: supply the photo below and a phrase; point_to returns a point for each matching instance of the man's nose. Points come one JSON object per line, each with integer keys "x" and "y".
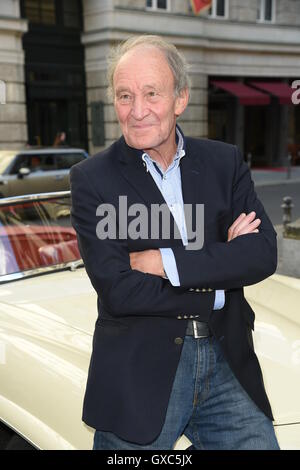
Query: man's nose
{"x": 139, "y": 108}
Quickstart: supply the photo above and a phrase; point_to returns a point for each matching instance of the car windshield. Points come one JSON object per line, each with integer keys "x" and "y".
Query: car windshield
{"x": 5, "y": 158}
{"x": 35, "y": 234}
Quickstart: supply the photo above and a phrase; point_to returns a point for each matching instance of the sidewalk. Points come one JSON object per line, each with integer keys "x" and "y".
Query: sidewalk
{"x": 279, "y": 231}
{"x": 281, "y": 266}
{"x": 273, "y": 176}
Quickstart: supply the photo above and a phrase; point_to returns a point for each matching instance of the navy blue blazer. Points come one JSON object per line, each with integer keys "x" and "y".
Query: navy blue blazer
{"x": 135, "y": 355}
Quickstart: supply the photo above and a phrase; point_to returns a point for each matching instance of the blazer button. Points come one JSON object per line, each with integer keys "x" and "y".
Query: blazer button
{"x": 178, "y": 340}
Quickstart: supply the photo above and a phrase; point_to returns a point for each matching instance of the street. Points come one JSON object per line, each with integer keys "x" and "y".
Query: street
{"x": 272, "y": 198}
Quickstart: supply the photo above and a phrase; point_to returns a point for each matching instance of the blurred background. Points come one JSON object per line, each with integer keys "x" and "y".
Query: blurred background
{"x": 243, "y": 55}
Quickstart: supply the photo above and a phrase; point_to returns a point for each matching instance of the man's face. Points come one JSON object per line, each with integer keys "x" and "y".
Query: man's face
{"x": 144, "y": 99}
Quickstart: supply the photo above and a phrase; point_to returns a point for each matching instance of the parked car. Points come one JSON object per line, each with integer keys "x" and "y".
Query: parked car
{"x": 37, "y": 170}
{"x": 48, "y": 310}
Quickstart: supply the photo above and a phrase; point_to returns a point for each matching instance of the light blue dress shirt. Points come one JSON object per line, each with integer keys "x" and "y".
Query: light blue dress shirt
{"x": 169, "y": 183}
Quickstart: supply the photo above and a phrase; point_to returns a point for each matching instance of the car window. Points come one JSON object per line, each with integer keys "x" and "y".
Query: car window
{"x": 6, "y": 158}
{"x": 48, "y": 163}
{"x": 36, "y": 234}
{"x": 65, "y": 161}
{"x": 35, "y": 162}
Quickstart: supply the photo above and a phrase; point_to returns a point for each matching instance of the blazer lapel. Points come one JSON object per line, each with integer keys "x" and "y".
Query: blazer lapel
{"x": 193, "y": 181}
{"x": 192, "y": 178}
{"x": 193, "y": 172}
{"x": 135, "y": 172}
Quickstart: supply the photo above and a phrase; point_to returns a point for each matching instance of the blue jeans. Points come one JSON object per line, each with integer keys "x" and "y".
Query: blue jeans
{"x": 208, "y": 405}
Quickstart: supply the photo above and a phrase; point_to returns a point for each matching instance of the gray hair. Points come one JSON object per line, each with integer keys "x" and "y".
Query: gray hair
{"x": 176, "y": 61}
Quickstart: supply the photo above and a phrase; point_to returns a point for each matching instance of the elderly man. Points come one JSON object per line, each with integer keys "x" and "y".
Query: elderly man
{"x": 172, "y": 349}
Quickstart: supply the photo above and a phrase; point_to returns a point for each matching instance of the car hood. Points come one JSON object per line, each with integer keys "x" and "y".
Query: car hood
{"x": 275, "y": 302}
{"x": 64, "y": 296}
{"x": 68, "y": 298}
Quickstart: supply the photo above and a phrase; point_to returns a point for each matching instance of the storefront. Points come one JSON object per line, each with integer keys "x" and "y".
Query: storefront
{"x": 256, "y": 114}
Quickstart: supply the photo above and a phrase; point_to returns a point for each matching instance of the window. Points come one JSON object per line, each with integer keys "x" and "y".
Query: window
{"x": 219, "y": 9}
{"x": 71, "y": 13}
{"x": 34, "y": 162}
{"x": 65, "y": 13}
{"x": 40, "y": 11}
{"x": 65, "y": 161}
{"x": 158, "y": 5}
{"x": 266, "y": 10}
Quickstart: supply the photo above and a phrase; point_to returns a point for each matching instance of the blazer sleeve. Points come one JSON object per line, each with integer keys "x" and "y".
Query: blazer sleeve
{"x": 124, "y": 291}
{"x": 245, "y": 260}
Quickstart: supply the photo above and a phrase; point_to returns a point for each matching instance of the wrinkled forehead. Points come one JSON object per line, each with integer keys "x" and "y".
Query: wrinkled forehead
{"x": 143, "y": 61}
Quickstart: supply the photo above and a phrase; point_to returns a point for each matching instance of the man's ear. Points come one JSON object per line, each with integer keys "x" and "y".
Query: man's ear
{"x": 181, "y": 101}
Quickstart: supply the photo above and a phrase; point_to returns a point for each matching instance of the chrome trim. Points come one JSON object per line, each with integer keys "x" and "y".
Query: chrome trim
{"x": 14, "y": 429}
{"x": 72, "y": 265}
{"x": 33, "y": 197}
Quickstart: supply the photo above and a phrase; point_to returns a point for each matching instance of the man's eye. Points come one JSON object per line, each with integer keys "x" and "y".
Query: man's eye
{"x": 125, "y": 97}
{"x": 152, "y": 94}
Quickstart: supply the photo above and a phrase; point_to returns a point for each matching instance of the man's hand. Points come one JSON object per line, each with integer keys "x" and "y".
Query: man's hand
{"x": 147, "y": 261}
{"x": 150, "y": 261}
{"x": 242, "y": 225}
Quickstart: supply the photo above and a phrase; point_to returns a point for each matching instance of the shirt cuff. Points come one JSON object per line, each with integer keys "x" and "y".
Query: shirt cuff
{"x": 171, "y": 271}
{"x": 219, "y": 299}
{"x": 170, "y": 266}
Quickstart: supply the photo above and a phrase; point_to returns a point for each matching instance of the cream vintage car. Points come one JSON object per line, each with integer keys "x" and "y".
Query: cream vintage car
{"x": 47, "y": 315}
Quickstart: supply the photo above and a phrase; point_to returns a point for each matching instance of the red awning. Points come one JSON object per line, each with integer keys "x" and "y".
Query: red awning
{"x": 280, "y": 89}
{"x": 245, "y": 94}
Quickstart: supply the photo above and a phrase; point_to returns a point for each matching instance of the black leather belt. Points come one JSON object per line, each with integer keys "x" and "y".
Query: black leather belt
{"x": 198, "y": 329}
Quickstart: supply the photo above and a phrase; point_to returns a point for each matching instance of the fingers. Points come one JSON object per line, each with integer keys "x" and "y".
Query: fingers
{"x": 238, "y": 220}
{"x": 248, "y": 221}
{"x": 244, "y": 224}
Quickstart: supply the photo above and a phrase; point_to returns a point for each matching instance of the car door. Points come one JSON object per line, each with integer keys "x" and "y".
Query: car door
{"x": 42, "y": 174}
{"x": 18, "y": 184}
{"x": 52, "y": 179}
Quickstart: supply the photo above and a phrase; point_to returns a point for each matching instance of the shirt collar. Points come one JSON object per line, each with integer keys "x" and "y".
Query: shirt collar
{"x": 180, "y": 152}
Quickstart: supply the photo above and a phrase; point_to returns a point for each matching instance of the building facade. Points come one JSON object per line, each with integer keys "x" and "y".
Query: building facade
{"x": 243, "y": 58}
{"x": 13, "y": 120}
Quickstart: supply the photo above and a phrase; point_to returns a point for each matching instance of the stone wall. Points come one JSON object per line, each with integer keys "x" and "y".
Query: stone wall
{"x": 13, "y": 124}
{"x": 288, "y": 12}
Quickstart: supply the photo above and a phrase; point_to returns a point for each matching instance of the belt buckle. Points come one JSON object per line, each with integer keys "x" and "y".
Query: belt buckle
{"x": 196, "y": 336}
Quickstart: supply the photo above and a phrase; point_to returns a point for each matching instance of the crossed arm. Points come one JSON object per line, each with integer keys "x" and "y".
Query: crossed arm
{"x": 250, "y": 257}
{"x": 150, "y": 261}
{"x": 132, "y": 284}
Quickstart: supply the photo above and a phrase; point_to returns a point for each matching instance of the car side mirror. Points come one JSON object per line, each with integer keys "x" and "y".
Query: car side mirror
{"x": 23, "y": 172}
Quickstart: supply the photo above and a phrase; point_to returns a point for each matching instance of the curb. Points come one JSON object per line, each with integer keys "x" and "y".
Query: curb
{"x": 275, "y": 183}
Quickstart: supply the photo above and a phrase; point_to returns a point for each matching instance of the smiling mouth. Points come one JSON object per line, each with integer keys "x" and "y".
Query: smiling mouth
{"x": 141, "y": 126}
